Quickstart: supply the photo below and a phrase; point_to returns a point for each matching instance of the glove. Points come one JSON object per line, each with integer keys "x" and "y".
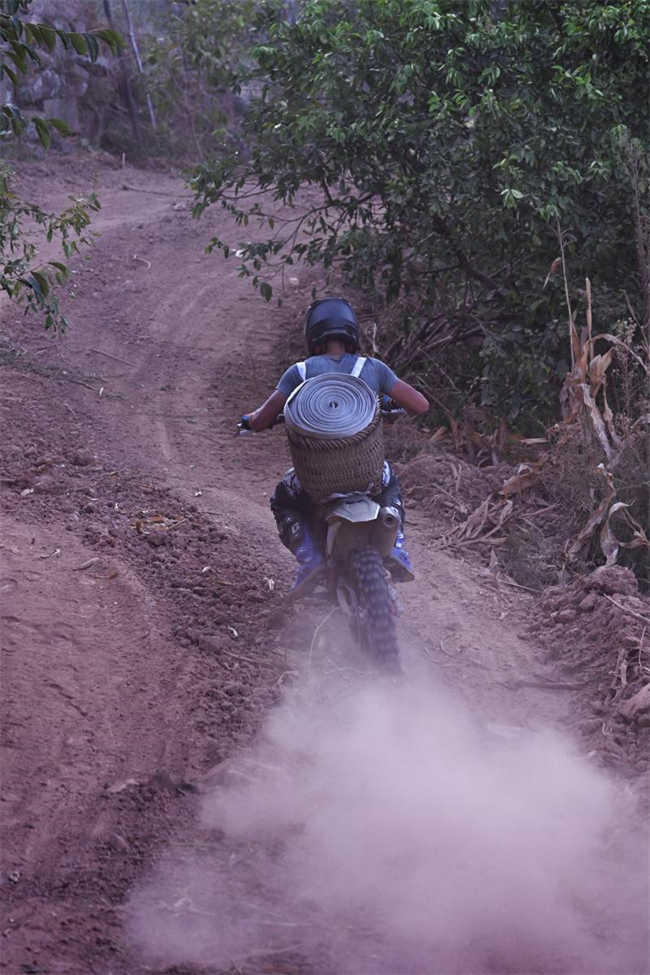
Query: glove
{"x": 245, "y": 422}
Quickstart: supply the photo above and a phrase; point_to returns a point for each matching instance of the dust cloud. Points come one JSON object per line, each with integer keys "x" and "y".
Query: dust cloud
{"x": 383, "y": 829}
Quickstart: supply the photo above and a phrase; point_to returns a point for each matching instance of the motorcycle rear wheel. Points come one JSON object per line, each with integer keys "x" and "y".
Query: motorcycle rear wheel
{"x": 377, "y": 621}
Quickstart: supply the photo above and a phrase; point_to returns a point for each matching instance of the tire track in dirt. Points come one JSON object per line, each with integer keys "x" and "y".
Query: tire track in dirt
{"x": 72, "y": 727}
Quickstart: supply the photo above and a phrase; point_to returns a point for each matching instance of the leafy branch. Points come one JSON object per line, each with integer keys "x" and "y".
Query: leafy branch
{"x": 443, "y": 143}
{"x": 21, "y": 45}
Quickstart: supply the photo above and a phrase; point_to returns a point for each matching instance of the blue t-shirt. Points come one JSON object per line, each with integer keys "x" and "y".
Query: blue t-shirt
{"x": 375, "y": 373}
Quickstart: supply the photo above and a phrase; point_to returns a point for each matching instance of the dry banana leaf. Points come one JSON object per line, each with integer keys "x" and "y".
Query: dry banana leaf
{"x": 597, "y": 421}
{"x": 595, "y": 520}
{"x": 523, "y": 479}
{"x": 610, "y": 544}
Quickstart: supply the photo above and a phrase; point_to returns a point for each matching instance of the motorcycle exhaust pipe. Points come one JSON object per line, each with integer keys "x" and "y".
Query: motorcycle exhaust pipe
{"x": 389, "y": 518}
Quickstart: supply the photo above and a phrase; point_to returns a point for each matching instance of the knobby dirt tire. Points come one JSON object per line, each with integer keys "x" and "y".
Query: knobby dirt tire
{"x": 374, "y": 597}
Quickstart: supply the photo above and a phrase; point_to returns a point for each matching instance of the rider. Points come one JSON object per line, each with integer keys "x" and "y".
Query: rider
{"x": 332, "y": 337}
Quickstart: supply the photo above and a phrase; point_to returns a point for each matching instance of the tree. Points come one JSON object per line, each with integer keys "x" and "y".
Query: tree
{"x": 20, "y": 42}
{"x": 191, "y": 66}
{"x": 453, "y": 144}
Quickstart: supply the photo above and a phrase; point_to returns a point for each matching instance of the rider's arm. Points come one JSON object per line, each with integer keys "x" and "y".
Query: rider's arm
{"x": 397, "y": 390}
{"x": 405, "y": 395}
{"x": 268, "y": 411}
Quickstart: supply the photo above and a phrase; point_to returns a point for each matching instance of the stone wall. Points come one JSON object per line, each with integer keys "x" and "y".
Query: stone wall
{"x": 67, "y": 85}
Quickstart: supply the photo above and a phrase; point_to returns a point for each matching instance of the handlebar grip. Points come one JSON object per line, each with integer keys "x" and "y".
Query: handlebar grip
{"x": 244, "y": 424}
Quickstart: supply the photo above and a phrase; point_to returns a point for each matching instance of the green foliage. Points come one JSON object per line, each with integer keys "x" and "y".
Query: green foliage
{"x": 522, "y": 370}
{"x": 450, "y": 142}
{"x": 214, "y": 34}
{"x": 18, "y": 278}
{"x": 20, "y": 42}
{"x": 190, "y": 69}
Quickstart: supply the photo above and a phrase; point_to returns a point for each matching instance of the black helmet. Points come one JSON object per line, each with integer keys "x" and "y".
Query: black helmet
{"x": 331, "y": 318}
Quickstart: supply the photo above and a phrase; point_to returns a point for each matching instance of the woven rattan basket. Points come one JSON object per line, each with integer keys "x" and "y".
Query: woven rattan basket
{"x": 326, "y": 467}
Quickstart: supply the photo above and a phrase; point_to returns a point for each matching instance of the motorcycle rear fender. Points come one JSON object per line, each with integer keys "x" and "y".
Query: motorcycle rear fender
{"x": 354, "y": 523}
{"x": 354, "y": 509}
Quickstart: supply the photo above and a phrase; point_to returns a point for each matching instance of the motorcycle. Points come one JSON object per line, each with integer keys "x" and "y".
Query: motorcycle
{"x": 358, "y": 536}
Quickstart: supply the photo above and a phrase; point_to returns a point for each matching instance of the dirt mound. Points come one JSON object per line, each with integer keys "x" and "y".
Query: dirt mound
{"x": 50, "y": 472}
{"x": 596, "y": 629}
{"x": 446, "y": 486}
{"x": 481, "y": 519}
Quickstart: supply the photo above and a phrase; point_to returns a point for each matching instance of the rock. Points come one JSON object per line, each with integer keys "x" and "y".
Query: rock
{"x": 551, "y": 596}
{"x": 93, "y": 533}
{"x": 162, "y": 781}
{"x": 612, "y": 579}
{"x": 81, "y": 458}
{"x": 156, "y": 539}
{"x": 47, "y": 484}
{"x": 636, "y": 705}
{"x": 588, "y": 603}
{"x": 629, "y": 641}
{"x": 43, "y": 84}
{"x": 566, "y": 616}
{"x": 210, "y": 644}
{"x": 121, "y": 786}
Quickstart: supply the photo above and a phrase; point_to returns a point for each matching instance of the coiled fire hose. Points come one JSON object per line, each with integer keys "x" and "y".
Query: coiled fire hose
{"x": 332, "y": 406}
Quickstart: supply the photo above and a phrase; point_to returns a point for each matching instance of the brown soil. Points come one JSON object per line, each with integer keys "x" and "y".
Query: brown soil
{"x": 144, "y": 629}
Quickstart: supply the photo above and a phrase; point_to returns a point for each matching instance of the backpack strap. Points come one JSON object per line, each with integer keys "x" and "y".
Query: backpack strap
{"x": 358, "y": 366}
{"x": 302, "y": 372}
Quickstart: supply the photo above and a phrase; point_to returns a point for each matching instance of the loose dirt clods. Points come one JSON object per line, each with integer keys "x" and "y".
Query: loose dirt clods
{"x": 596, "y": 628}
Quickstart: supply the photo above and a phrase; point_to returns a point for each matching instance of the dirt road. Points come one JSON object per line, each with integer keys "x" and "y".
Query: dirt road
{"x": 144, "y": 637}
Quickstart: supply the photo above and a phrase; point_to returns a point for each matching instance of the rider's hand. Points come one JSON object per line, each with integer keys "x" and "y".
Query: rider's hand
{"x": 390, "y": 410}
